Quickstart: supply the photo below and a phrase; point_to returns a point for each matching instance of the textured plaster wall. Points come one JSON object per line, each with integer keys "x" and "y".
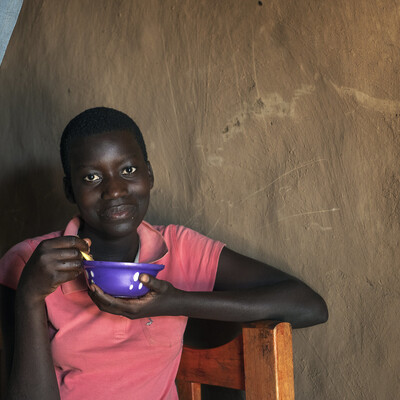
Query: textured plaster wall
{"x": 272, "y": 126}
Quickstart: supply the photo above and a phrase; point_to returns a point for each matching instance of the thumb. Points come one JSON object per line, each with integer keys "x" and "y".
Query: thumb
{"x": 151, "y": 282}
{"x": 88, "y": 241}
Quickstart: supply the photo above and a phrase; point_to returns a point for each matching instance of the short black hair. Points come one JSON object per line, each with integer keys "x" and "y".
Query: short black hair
{"x": 93, "y": 122}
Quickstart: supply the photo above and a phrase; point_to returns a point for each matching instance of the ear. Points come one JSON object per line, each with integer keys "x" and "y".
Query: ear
{"x": 69, "y": 194}
{"x": 151, "y": 175}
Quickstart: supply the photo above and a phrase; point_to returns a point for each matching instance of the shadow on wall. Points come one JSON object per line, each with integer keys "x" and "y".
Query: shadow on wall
{"x": 32, "y": 203}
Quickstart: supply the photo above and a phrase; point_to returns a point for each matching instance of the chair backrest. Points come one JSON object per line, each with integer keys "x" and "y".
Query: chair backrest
{"x": 258, "y": 361}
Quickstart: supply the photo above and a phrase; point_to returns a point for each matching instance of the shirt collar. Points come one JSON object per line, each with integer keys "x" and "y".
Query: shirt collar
{"x": 152, "y": 249}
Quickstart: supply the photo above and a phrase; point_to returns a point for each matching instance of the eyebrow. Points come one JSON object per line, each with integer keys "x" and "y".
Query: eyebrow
{"x": 131, "y": 158}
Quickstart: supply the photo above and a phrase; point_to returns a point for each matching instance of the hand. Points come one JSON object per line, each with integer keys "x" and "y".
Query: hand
{"x": 54, "y": 262}
{"x": 162, "y": 299}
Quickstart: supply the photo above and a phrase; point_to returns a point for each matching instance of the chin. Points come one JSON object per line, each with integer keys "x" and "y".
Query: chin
{"x": 120, "y": 230}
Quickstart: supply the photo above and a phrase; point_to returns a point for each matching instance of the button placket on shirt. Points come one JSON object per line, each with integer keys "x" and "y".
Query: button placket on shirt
{"x": 121, "y": 327}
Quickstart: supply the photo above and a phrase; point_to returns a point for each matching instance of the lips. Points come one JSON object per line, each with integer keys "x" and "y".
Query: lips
{"x": 115, "y": 213}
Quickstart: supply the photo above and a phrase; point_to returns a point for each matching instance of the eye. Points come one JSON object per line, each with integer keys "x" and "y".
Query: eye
{"x": 128, "y": 170}
{"x": 91, "y": 178}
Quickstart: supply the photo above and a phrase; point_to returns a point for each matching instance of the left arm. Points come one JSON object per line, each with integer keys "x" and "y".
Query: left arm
{"x": 248, "y": 290}
{"x": 245, "y": 290}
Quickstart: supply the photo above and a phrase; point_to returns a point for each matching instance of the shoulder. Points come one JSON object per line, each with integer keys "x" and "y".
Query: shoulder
{"x": 194, "y": 257}
{"x": 180, "y": 233}
{"x": 14, "y": 260}
{"x": 25, "y": 248}
{"x": 188, "y": 242}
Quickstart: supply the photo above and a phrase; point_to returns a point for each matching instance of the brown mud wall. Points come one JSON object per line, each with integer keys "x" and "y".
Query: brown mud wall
{"x": 271, "y": 125}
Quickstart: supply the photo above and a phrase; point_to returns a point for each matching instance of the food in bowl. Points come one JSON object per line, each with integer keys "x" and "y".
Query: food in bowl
{"x": 119, "y": 279}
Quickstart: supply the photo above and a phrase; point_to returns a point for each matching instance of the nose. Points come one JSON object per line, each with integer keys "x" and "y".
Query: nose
{"x": 114, "y": 188}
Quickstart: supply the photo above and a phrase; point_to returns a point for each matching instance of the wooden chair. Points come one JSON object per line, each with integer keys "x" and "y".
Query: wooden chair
{"x": 258, "y": 361}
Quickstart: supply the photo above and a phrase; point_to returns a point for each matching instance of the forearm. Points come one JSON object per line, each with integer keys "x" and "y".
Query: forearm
{"x": 32, "y": 374}
{"x": 289, "y": 301}
{"x": 286, "y": 299}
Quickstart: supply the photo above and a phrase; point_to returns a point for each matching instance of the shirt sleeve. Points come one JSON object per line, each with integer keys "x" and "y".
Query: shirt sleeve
{"x": 13, "y": 262}
{"x": 198, "y": 256}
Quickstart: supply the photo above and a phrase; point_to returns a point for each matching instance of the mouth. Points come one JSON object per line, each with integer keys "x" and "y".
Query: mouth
{"x": 116, "y": 213}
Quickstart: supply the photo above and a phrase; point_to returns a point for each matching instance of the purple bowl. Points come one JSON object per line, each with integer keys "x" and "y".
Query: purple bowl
{"x": 119, "y": 279}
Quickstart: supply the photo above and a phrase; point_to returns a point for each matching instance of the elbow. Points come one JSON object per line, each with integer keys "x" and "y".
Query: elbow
{"x": 318, "y": 311}
{"x": 321, "y": 311}
{"x": 314, "y": 310}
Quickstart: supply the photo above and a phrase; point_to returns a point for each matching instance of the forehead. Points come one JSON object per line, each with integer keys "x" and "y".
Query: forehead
{"x": 113, "y": 145}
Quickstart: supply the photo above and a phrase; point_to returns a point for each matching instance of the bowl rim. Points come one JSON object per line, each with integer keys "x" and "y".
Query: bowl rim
{"x": 117, "y": 264}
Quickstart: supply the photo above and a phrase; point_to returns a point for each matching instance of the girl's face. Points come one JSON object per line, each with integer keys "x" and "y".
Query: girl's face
{"x": 110, "y": 183}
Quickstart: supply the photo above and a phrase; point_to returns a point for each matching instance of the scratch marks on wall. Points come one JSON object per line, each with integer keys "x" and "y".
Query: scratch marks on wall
{"x": 282, "y": 191}
{"x": 305, "y": 213}
{"x": 234, "y": 62}
{"x": 213, "y": 227}
{"x": 189, "y": 221}
{"x": 280, "y": 177}
{"x": 364, "y": 100}
{"x": 174, "y": 107}
{"x": 315, "y": 225}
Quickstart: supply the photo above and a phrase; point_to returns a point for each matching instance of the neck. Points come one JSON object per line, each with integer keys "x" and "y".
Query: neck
{"x": 111, "y": 249}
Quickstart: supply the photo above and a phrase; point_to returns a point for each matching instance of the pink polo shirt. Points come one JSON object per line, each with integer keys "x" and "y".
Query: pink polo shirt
{"x": 103, "y": 356}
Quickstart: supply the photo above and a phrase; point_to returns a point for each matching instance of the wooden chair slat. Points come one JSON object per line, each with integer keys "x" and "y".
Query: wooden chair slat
{"x": 259, "y": 361}
{"x": 219, "y": 366}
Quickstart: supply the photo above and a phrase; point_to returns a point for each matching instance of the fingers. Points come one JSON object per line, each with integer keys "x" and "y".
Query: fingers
{"x": 112, "y": 304}
{"x": 154, "y": 303}
{"x": 67, "y": 242}
{"x": 63, "y": 252}
{"x": 97, "y": 293}
{"x": 53, "y": 262}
